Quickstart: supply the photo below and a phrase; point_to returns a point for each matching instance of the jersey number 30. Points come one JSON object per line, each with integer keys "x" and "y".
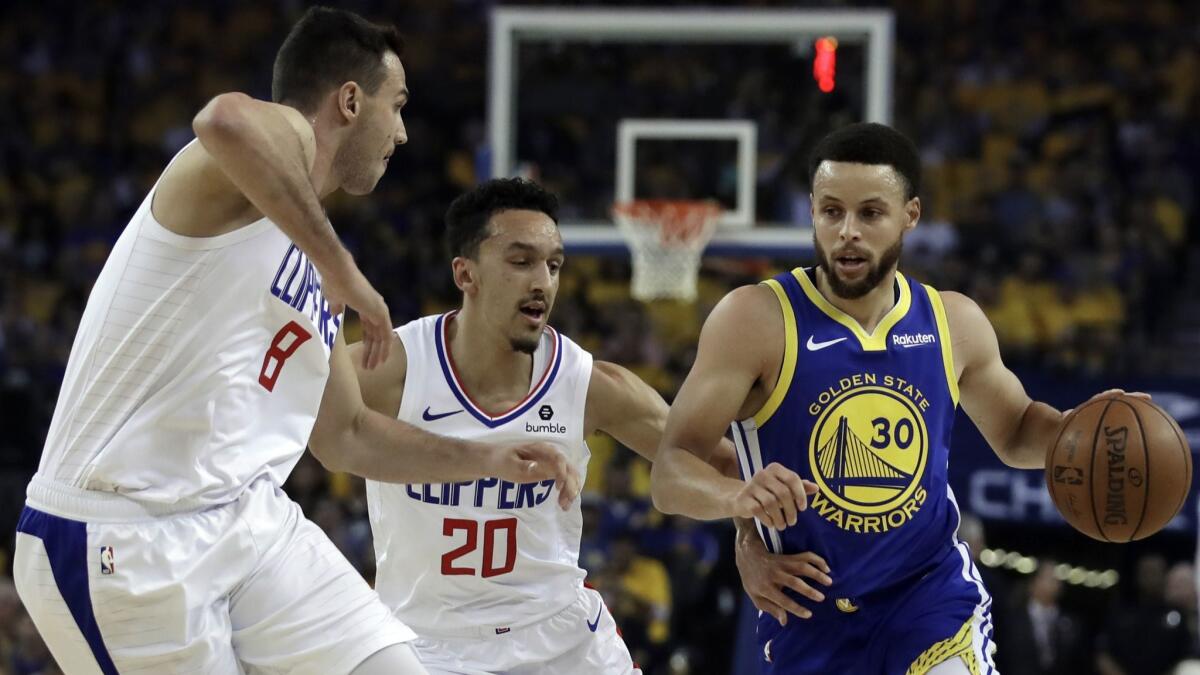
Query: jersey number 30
{"x": 490, "y": 567}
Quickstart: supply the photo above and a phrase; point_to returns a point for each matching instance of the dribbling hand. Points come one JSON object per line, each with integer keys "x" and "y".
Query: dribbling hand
{"x": 536, "y": 462}
{"x": 774, "y": 496}
{"x": 351, "y": 289}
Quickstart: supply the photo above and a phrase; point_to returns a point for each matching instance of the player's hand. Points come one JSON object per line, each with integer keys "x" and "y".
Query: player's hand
{"x": 1108, "y": 394}
{"x": 765, "y": 575}
{"x": 774, "y": 495}
{"x": 536, "y": 462}
{"x": 350, "y": 288}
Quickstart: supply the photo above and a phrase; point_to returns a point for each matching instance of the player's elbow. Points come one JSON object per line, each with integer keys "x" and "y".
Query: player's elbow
{"x": 662, "y": 488}
{"x": 328, "y": 454}
{"x": 223, "y": 117}
{"x": 335, "y": 448}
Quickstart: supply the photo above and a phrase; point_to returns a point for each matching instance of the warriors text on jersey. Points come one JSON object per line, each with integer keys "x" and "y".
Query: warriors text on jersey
{"x": 484, "y": 554}
{"x": 198, "y": 366}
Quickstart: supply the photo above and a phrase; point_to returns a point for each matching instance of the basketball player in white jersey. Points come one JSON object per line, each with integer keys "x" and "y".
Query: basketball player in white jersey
{"x": 486, "y": 572}
{"x": 155, "y": 537}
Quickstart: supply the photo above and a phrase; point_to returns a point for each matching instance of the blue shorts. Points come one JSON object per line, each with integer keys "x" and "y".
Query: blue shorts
{"x": 906, "y": 628}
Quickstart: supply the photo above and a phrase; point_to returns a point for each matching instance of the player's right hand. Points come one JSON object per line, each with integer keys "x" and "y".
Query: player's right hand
{"x": 774, "y": 496}
{"x": 536, "y": 462}
{"x": 765, "y": 575}
{"x": 349, "y": 288}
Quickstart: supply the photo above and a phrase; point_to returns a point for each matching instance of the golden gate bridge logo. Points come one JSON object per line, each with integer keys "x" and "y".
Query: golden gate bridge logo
{"x": 846, "y": 461}
{"x": 868, "y": 450}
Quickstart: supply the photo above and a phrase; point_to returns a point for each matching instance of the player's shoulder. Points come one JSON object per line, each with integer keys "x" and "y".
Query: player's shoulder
{"x": 746, "y": 313}
{"x": 749, "y": 302}
{"x": 962, "y": 311}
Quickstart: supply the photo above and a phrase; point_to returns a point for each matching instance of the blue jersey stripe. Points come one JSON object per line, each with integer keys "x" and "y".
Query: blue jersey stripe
{"x": 67, "y": 547}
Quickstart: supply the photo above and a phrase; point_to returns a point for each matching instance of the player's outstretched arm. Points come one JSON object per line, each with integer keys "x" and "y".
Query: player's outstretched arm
{"x": 622, "y": 405}
{"x": 256, "y": 157}
{"x": 1019, "y": 429}
{"x": 353, "y": 438}
{"x": 741, "y": 341}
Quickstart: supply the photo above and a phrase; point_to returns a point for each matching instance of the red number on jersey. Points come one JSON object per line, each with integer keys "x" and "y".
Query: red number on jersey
{"x": 489, "y": 547}
{"x": 490, "y": 569}
{"x": 277, "y": 354}
{"x": 449, "y": 527}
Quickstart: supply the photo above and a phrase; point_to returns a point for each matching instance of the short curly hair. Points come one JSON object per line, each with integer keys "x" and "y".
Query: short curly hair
{"x": 469, "y": 214}
{"x": 871, "y": 143}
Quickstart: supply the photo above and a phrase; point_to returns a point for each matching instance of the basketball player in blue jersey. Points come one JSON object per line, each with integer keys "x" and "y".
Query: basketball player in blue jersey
{"x": 156, "y": 537}
{"x": 841, "y": 400}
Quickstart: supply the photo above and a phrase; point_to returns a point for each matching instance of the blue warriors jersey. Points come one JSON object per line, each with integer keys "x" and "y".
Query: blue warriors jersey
{"x": 867, "y": 417}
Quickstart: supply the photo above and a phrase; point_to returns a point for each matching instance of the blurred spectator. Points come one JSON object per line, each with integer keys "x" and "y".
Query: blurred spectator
{"x": 1146, "y": 637}
{"x": 1041, "y": 637}
{"x": 1180, "y": 596}
{"x": 10, "y": 614}
{"x": 637, "y": 590}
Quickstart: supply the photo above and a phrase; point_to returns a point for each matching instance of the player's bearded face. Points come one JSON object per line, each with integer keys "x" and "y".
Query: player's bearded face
{"x": 851, "y": 289}
{"x": 860, "y": 215}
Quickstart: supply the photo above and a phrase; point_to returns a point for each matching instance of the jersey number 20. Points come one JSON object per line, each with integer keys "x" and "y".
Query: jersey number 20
{"x": 490, "y": 528}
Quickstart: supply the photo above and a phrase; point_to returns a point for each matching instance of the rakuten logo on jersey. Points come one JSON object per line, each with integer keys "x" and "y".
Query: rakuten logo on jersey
{"x": 910, "y": 340}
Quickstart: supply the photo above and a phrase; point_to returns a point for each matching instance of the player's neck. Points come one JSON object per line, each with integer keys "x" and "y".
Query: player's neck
{"x": 870, "y": 308}
{"x": 485, "y": 360}
{"x": 324, "y": 181}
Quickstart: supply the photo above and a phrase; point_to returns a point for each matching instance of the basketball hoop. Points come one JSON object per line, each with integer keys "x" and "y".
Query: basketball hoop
{"x": 666, "y": 238}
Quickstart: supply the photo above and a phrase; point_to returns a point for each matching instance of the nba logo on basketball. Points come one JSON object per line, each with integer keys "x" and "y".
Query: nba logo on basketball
{"x": 107, "y": 564}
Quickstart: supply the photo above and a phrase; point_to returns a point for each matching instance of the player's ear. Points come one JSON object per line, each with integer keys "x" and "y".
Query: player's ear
{"x": 464, "y": 274}
{"x": 349, "y": 100}
{"x": 913, "y": 212}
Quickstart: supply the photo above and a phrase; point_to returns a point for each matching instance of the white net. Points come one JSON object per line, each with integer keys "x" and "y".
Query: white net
{"x": 666, "y": 239}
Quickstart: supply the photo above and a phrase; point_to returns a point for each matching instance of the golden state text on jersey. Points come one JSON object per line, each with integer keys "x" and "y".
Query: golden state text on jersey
{"x": 867, "y": 417}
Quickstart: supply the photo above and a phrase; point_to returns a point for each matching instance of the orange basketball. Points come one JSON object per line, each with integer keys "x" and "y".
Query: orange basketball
{"x": 1120, "y": 468}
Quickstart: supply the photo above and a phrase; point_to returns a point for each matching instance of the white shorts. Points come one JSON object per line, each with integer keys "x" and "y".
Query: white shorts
{"x": 246, "y": 587}
{"x": 581, "y": 640}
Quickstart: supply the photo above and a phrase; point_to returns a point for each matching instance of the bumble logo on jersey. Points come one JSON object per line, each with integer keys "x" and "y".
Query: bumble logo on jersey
{"x": 868, "y": 451}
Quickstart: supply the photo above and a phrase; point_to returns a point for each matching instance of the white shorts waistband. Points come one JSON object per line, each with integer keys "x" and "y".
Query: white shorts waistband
{"x": 66, "y": 501}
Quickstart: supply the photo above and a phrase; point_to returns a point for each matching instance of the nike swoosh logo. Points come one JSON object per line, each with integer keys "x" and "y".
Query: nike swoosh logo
{"x": 817, "y": 346}
{"x": 593, "y": 625}
{"x": 431, "y": 417}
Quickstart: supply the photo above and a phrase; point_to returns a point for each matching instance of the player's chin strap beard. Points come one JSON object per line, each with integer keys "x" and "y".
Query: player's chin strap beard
{"x": 524, "y": 347}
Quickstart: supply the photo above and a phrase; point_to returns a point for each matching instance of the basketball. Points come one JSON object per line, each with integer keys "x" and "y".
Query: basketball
{"x": 1120, "y": 468}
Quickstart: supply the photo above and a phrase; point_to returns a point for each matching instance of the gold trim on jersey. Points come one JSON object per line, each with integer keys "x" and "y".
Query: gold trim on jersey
{"x": 790, "y": 348}
{"x": 961, "y": 646}
{"x": 875, "y": 341}
{"x": 943, "y": 326}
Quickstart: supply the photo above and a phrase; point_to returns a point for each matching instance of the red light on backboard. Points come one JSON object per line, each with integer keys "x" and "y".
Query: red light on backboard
{"x": 825, "y": 63}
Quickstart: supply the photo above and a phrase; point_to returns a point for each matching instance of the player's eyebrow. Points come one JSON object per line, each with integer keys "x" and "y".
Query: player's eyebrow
{"x": 525, "y": 247}
{"x": 403, "y": 93}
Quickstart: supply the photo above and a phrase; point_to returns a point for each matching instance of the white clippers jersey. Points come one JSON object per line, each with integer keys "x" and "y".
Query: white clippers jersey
{"x": 199, "y": 365}
{"x": 486, "y": 553}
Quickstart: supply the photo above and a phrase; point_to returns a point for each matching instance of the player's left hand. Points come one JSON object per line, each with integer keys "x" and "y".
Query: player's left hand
{"x": 536, "y": 462}
{"x": 1110, "y": 393}
{"x": 765, "y": 576}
